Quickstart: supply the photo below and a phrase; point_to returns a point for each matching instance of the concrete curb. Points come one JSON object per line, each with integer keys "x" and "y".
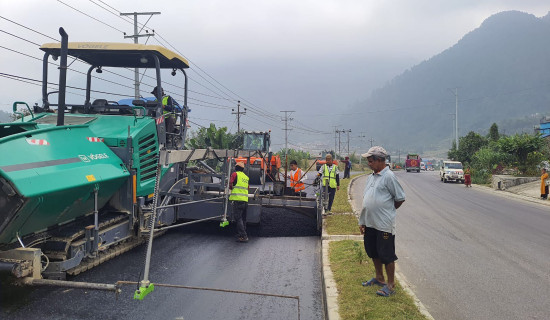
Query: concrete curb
{"x": 329, "y": 284}
{"x": 508, "y": 194}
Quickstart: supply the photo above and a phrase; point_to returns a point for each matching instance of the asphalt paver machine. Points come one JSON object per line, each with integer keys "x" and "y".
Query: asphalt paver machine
{"x": 85, "y": 182}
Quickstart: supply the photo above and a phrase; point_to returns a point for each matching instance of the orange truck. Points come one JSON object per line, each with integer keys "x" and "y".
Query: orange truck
{"x": 269, "y": 164}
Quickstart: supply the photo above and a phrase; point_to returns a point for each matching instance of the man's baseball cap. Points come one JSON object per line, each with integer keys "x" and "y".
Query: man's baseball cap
{"x": 240, "y": 164}
{"x": 376, "y": 151}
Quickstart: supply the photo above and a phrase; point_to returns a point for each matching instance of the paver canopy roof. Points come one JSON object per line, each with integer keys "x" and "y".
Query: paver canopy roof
{"x": 122, "y": 55}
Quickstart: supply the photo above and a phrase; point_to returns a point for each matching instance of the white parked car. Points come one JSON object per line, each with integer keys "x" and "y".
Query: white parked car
{"x": 451, "y": 171}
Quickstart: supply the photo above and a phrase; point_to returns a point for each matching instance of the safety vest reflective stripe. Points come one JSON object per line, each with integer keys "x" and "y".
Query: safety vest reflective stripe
{"x": 295, "y": 181}
{"x": 330, "y": 176}
{"x": 240, "y": 189}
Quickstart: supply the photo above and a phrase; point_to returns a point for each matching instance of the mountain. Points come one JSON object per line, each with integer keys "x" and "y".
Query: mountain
{"x": 501, "y": 70}
{"x": 4, "y": 117}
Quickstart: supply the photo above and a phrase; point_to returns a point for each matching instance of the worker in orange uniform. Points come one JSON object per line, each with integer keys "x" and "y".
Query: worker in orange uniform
{"x": 544, "y": 184}
{"x": 297, "y": 178}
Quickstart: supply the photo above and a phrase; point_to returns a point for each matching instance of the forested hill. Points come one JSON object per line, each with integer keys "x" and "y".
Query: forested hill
{"x": 4, "y": 117}
{"x": 501, "y": 69}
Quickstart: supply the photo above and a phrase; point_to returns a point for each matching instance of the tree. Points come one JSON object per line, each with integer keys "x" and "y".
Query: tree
{"x": 520, "y": 146}
{"x": 468, "y": 146}
{"x": 493, "y": 133}
{"x": 216, "y": 138}
{"x": 453, "y": 153}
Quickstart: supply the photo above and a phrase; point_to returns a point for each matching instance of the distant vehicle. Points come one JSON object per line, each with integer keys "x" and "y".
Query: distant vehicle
{"x": 451, "y": 171}
{"x": 388, "y": 161}
{"x": 422, "y": 166}
{"x": 412, "y": 163}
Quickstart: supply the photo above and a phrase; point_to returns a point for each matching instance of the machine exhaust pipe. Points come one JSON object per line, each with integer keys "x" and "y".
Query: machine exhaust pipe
{"x": 62, "y": 77}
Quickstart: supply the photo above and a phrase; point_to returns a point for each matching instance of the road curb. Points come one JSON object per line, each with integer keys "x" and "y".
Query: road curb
{"x": 508, "y": 194}
{"x": 330, "y": 291}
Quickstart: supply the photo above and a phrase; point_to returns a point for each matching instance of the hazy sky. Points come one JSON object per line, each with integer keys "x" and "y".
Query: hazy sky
{"x": 313, "y": 57}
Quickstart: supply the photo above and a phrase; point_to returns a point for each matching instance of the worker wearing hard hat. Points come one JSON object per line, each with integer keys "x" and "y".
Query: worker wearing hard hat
{"x": 238, "y": 183}
{"x": 330, "y": 175}
{"x": 297, "y": 177}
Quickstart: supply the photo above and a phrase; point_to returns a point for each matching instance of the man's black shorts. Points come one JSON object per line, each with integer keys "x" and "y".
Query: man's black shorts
{"x": 380, "y": 244}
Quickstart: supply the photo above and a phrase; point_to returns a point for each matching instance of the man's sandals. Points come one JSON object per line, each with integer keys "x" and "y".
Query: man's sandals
{"x": 385, "y": 291}
{"x": 372, "y": 282}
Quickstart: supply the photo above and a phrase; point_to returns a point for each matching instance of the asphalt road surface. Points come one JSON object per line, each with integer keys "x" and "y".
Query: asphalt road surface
{"x": 282, "y": 257}
{"x": 471, "y": 254}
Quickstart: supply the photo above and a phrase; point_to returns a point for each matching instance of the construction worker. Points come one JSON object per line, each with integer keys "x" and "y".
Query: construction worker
{"x": 238, "y": 184}
{"x": 330, "y": 175}
{"x": 169, "y": 106}
{"x": 297, "y": 177}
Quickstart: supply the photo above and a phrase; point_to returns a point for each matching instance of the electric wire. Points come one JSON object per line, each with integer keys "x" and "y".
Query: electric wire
{"x": 89, "y": 16}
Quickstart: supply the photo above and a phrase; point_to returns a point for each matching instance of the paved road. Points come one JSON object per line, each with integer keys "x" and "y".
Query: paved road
{"x": 470, "y": 254}
{"x": 200, "y": 256}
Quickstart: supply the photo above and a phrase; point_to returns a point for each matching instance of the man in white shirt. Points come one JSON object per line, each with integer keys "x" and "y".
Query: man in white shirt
{"x": 383, "y": 196}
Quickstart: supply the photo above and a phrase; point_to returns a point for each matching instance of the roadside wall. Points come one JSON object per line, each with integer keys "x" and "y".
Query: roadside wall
{"x": 502, "y": 182}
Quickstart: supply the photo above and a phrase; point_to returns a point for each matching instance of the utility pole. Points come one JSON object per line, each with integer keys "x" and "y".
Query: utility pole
{"x": 335, "y": 132}
{"x": 456, "y": 116}
{"x": 238, "y": 113}
{"x": 453, "y": 131}
{"x": 399, "y": 152}
{"x": 361, "y": 135}
{"x": 286, "y": 119}
{"x": 339, "y": 131}
{"x": 371, "y": 141}
{"x": 136, "y": 35}
{"x": 349, "y": 130}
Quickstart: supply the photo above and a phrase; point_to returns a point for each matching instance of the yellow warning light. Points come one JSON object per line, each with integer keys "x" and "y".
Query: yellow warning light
{"x": 151, "y": 195}
{"x": 90, "y": 177}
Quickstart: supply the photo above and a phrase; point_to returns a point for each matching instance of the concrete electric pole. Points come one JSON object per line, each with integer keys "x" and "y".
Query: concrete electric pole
{"x": 136, "y": 35}
{"x": 456, "y": 116}
{"x": 286, "y": 119}
{"x": 238, "y": 113}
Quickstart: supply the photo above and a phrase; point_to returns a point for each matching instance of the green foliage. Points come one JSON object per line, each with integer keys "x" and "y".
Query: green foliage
{"x": 453, "y": 153}
{"x": 300, "y": 156}
{"x": 493, "y": 133}
{"x": 359, "y": 252}
{"x": 216, "y": 138}
{"x": 488, "y": 159}
{"x": 534, "y": 159}
{"x": 520, "y": 146}
{"x": 468, "y": 146}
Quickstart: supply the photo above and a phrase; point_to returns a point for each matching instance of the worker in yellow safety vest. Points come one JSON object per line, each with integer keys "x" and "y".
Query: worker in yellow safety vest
{"x": 169, "y": 106}
{"x": 238, "y": 183}
{"x": 297, "y": 177}
{"x": 331, "y": 179}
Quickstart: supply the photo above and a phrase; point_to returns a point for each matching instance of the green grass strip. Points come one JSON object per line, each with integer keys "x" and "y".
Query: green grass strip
{"x": 350, "y": 267}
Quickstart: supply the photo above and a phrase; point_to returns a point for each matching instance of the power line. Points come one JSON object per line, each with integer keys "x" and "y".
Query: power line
{"x": 89, "y": 16}
{"x": 40, "y": 33}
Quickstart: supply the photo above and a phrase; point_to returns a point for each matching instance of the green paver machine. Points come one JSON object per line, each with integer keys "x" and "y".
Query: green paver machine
{"x": 82, "y": 183}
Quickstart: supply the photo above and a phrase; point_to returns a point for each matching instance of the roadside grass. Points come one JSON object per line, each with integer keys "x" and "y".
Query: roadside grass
{"x": 343, "y": 221}
{"x": 341, "y": 203}
{"x": 342, "y": 224}
{"x": 350, "y": 267}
